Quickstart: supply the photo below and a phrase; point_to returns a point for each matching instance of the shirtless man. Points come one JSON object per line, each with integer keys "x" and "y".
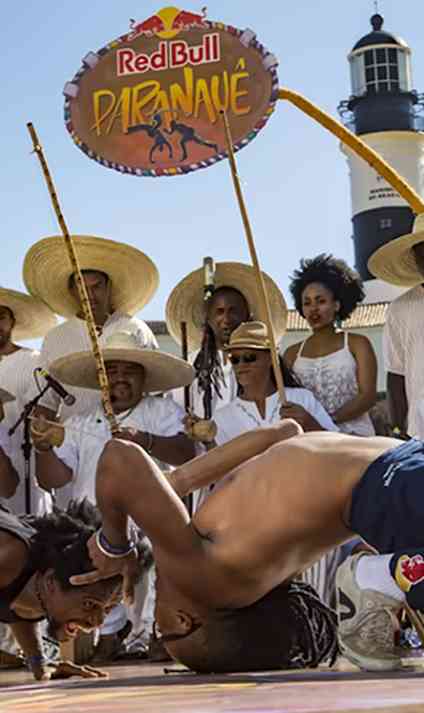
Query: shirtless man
{"x": 224, "y": 599}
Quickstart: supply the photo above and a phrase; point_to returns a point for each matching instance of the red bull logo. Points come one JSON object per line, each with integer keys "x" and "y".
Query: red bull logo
{"x": 169, "y": 55}
{"x": 166, "y": 23}
{"x": 150, "y": 102}
{"x": 409, "y": 571}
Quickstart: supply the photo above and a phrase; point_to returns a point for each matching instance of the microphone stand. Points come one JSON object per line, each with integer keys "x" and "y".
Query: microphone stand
{"x": 26, "y": 444}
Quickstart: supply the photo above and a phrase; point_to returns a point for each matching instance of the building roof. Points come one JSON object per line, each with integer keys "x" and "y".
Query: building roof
{"x": 379, "y": 36}
{"x": 368, "y": 315}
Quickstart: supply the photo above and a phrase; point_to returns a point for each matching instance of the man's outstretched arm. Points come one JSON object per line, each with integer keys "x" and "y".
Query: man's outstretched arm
{"x": 215, "y": 464}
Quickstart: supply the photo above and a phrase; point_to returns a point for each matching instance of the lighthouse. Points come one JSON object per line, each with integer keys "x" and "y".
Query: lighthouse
{"x": 385, "y": 111}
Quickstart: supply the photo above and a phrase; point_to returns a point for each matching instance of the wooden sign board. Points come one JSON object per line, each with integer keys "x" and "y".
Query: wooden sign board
{"x": 149, "y": 103}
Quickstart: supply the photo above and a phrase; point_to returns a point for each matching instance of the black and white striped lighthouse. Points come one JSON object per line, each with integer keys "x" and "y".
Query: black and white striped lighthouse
{"x": 385, "y": 111}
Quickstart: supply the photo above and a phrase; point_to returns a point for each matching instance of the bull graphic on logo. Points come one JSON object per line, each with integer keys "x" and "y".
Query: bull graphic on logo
{"x": 409, "y": 571}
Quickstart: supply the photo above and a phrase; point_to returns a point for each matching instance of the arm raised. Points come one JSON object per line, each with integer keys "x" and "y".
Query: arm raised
{"x": 215, "y": 464}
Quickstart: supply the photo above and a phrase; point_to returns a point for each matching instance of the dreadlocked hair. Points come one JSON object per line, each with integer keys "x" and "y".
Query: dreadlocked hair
{"x": 60, "y": 541}
{"x": 207, "y": 365}
{"x": 336, "y": 275}
{"x": 290, "y": 627}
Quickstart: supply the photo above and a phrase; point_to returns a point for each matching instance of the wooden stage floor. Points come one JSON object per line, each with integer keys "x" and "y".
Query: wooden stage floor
{"x": 145, "y": 687}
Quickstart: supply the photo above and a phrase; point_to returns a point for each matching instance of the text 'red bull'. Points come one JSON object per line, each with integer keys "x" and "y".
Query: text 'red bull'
{"x": 172, "y": 55}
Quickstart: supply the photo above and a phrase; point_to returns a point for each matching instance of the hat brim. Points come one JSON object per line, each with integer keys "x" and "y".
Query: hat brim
{"x": 186, "y": 304}
{"x": 33, "y": 318}
{"x": 162, "y": 371}
{"x": 246, "y": 345}
{"x": 395, "y": 263}
{"x": 6, "y": 396}
{"x": 47, "y": 269}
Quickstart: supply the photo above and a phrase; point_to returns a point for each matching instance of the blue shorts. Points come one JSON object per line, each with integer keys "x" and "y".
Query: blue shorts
{"x": 388, "y": 502}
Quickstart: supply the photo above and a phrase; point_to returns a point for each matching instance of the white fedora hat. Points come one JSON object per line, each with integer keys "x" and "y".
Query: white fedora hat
{"x": 162, "y": 371}
{"x": 47, "y": 270}
{"x": 186, "y": 304}
{"x": 32, "y": 317}
{"x": 395, "y": 262}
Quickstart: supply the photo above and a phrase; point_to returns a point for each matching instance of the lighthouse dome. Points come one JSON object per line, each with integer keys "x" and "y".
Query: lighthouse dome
{"x": 378, "y": 36}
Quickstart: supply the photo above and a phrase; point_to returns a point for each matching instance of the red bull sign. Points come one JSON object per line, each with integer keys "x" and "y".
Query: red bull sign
{"x": 150, "y": 102}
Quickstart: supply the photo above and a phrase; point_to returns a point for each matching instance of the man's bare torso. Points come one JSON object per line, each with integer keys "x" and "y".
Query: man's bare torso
{"x": 280, "y": 511}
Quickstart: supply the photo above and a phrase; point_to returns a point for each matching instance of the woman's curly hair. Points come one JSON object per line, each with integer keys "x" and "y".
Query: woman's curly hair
{"x": 336, "y": 275}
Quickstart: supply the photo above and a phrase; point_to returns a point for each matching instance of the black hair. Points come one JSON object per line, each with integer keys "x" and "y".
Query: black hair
{"x": 336, "y": 275}
{"x": 71, "y": 281}
{"x": 290, "y": 627}
{"x": 60, "y": 541}
{"x": 207, "y": 365}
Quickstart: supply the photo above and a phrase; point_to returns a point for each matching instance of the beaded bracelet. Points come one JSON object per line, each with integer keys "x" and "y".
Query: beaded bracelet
{"x": 113, "y": 551}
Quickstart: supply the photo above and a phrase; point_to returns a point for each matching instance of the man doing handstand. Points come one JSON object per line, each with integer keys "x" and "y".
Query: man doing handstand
{"x": 225, "y": 600}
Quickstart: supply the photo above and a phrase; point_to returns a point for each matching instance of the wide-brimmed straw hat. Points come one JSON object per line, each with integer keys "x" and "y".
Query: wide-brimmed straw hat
{"x": 6, "y": 396}
{"x": 395, "y": 262}
{"x": 162, "y": 371}
{"x": 186, "y": 303}
{"x": 33, "y": 318}
{"x": 47, "y": 269}
{"x": 249, "y": 335}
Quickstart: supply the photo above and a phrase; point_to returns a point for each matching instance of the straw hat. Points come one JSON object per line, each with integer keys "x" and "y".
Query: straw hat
{"x": 186, "y": 304}
{"x": 6, "y": 396}
{"x": 47, "y": 270}
{"x": 249, "y": 335}
{"x": 162, "y": 371}
{"x": 33, "y": 318}
{"x": 395, "y": 262}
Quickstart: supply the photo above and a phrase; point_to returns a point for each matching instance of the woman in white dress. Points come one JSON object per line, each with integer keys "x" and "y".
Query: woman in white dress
{"x": 340, "y": 368}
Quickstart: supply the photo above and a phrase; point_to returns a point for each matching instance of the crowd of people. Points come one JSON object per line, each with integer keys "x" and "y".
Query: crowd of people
{"x": 264, "y": 513}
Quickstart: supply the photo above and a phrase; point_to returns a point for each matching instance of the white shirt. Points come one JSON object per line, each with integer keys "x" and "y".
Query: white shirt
{"x": 403, "y": 348}
{"x": 16, "y": 376}
{"x": 228, "y": 389}
{"x": 86, "y": 436}
{"x": 72, "y": 336}
{"x": 240, "y": 416}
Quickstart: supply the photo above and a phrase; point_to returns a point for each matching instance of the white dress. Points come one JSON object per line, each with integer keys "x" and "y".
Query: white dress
{"x": 333, "y": 380}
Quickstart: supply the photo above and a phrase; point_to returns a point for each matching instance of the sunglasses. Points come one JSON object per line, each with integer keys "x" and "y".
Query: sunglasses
{"x": 243, "y": 358}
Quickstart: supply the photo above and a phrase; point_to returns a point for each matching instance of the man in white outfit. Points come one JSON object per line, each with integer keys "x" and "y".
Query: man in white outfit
{"x": 211, "y": 317}
{"x": 120, "y": 280}
{"x": 153, "y": 422}
{"x": 401, "y": 262}
{"x": 21, "y": 317}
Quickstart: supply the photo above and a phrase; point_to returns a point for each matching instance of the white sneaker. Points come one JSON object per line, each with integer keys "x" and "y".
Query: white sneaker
{"x": 366, "y": 621}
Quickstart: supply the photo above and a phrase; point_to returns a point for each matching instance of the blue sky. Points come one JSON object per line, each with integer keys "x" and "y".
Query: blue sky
{"x": 295, "y": 179}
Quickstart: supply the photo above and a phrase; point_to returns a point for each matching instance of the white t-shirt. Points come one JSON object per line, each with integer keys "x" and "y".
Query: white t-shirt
{"x": 240, "y": 416}
{"x": 403, "y": 347}
{"x": 72, "y": 336}
{"x": 16, "y": 376}
{"x": 86, "y": 436}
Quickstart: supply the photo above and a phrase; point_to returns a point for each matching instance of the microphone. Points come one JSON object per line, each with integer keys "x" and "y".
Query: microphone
{"x": 68, "y": 398}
